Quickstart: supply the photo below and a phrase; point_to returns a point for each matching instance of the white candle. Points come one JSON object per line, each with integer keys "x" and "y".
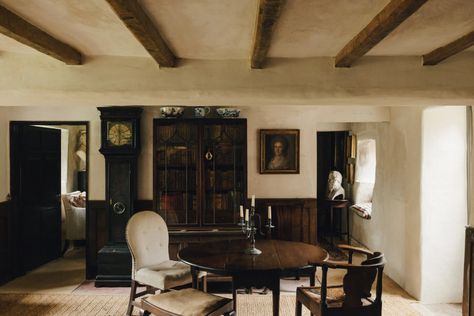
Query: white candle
{"x": 241, "y": 211}
{"x": 269, "y": 212}
{"x": 253, "y": 201}
{"x": 246, "y": 214}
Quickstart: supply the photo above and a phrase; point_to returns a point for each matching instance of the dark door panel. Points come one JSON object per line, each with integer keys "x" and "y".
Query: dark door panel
{"x": 50, "y": 235}
{"x": 40, "y": 187}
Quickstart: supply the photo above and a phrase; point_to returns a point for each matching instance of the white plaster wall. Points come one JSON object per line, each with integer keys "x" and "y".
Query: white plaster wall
{"x": 443, "y": 203}
{"x": 379, "y": 81}
{"x": 395, "y": 225}
{"x": 306, "y": 118}
{"x": 309, "y": 120}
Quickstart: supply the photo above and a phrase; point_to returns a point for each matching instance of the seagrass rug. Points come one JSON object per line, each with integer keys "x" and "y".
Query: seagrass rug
{"x": 95, "y": 305}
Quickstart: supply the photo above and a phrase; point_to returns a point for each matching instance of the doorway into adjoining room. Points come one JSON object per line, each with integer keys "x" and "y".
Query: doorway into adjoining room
{"x": 49, "y": 192}
{"x": 333, "y": 154}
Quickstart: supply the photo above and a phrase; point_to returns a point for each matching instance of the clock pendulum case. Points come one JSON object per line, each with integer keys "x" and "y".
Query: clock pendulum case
{"x": 120, "y": 145}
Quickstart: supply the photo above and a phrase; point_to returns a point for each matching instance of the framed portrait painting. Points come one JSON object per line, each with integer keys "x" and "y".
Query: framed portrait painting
{"x": 279, "y": 151}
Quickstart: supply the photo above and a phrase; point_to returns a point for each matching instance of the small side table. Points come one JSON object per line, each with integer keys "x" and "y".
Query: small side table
{"x": 339, "y": 205}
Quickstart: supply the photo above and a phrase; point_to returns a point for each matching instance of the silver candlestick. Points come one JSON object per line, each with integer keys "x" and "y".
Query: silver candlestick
{"x": 250, "y": 229}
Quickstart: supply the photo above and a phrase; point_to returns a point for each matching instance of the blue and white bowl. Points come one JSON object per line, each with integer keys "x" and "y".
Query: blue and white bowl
{"x": 228, "y": 112}
{"x": 171, "y": 111}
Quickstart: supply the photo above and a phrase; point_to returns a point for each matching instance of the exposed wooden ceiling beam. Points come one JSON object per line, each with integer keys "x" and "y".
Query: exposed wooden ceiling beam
{"x": 26, "y": 33}
{"x": 436, "y": 56}
{"x": 138, "y": 22}
{"x": 381, "y": 25}
{"x": 268, "y": 13}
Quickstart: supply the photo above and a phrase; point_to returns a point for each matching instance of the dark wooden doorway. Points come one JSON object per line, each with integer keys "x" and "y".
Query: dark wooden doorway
{"x": 331, "y": 155}
{"x": 35, "y": 179}
{"x": 39, "y": 194}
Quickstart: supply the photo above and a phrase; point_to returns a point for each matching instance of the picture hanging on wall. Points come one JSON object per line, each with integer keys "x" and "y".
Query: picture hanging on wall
{"x": 279, "y": 151}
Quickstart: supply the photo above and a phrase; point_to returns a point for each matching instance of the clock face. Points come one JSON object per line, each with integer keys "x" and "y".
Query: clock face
{"x": 119, "y": 133}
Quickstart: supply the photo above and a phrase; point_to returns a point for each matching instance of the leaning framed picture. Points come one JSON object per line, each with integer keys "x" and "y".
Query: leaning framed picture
{"x": 279, "y": 151}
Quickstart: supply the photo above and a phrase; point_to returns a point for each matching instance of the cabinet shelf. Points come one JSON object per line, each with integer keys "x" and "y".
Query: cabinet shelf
{"x": 223, "y": 167}
{"x": 175, "y": 167}
{"x": 165, "y": 191}
{"x": 225, "y": 191}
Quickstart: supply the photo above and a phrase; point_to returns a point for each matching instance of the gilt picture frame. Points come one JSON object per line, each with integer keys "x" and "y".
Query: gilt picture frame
{"x": 279, "y": 151}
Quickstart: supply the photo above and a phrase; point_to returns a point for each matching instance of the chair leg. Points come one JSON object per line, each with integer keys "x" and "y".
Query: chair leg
{"x": 133, "y": 291}
{"x": 204, "y": 283}
{"x": 312, "y": 277}
{"x": 298, "y": 308}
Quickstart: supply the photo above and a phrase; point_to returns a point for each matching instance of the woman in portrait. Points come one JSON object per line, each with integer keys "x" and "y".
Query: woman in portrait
{"x": 279, "y": 160}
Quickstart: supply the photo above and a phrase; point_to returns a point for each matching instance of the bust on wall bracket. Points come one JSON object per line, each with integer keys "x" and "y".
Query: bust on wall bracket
{"x": 120, "y": 145}
{"x": 335, "y": 189}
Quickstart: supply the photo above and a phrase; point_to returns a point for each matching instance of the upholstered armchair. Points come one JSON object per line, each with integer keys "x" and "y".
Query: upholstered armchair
{"x": 147, "y": 239}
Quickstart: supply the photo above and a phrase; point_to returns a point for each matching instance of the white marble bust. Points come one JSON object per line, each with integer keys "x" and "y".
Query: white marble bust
{"x": 81, "y": 150}
{"x": 335, "y": 188}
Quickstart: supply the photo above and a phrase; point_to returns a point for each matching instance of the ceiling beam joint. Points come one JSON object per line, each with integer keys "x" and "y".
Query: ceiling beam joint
{"x": 142, "y": 27}
{"x": 268, "y": 14}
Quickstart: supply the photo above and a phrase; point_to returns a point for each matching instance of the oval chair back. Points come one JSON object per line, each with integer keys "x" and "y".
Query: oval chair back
{"x": 147, "y": 239}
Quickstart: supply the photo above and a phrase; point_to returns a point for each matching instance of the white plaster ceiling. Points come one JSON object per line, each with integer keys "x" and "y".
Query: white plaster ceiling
{"x": 205, "y": 29}
{"x": 436, "y": 23}
{"x": 322, "y": 27}
{"x": 88, "y": 25}
{"x": 223, "y": 29}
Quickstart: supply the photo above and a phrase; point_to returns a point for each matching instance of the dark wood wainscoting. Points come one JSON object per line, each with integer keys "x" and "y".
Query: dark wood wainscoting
{"x": 294, "y": 219}
{"x": 468, "y": 297}
{"x": 96, "y": 234}
{"x": 6, "y": 242}
{"x": 97, "y": 231}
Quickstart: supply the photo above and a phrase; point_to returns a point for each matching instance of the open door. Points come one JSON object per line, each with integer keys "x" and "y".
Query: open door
{"x": 38, "y": 197}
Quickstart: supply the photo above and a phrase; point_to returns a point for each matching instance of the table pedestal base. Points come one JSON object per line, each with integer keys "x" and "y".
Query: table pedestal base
{"x": 269, "y": 279}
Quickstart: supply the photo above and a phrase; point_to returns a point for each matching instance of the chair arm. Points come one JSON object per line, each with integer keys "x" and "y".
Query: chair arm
{"x": 344, "y": 265}
{"x": 355, "y": 249}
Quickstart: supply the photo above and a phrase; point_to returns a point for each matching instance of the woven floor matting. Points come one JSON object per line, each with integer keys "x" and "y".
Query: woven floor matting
{"x": 91, "y": 305}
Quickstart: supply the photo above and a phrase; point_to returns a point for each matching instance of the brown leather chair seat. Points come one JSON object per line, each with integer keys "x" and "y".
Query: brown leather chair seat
{"x": 187, "y": 302}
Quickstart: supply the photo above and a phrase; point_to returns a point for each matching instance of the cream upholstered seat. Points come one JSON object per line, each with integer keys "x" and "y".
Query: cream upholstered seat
{"x": 164, "y": 275}
{"x": 147, "y": 239}
{"x": 187, "y": 302}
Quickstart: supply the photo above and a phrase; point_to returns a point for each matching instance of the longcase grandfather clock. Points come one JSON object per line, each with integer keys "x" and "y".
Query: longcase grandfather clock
{"x": 120, "y": 145}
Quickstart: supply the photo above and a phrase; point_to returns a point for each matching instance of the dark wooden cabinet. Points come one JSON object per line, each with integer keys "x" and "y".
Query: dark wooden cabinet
{"x": 200, "y": 168}
{"x": 199, "y": 178}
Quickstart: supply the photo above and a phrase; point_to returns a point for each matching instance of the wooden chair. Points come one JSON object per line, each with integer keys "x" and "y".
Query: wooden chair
{"x": 147, "y": 239}
{"x": 354, "y": 297}
{"x": 187, "y": 302}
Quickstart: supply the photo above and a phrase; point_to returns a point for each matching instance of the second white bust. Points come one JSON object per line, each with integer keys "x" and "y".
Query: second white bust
{"x": 335, "y": 188}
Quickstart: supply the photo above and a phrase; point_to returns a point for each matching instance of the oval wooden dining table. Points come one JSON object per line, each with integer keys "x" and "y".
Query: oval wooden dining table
{"x": 278, "y": 259}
